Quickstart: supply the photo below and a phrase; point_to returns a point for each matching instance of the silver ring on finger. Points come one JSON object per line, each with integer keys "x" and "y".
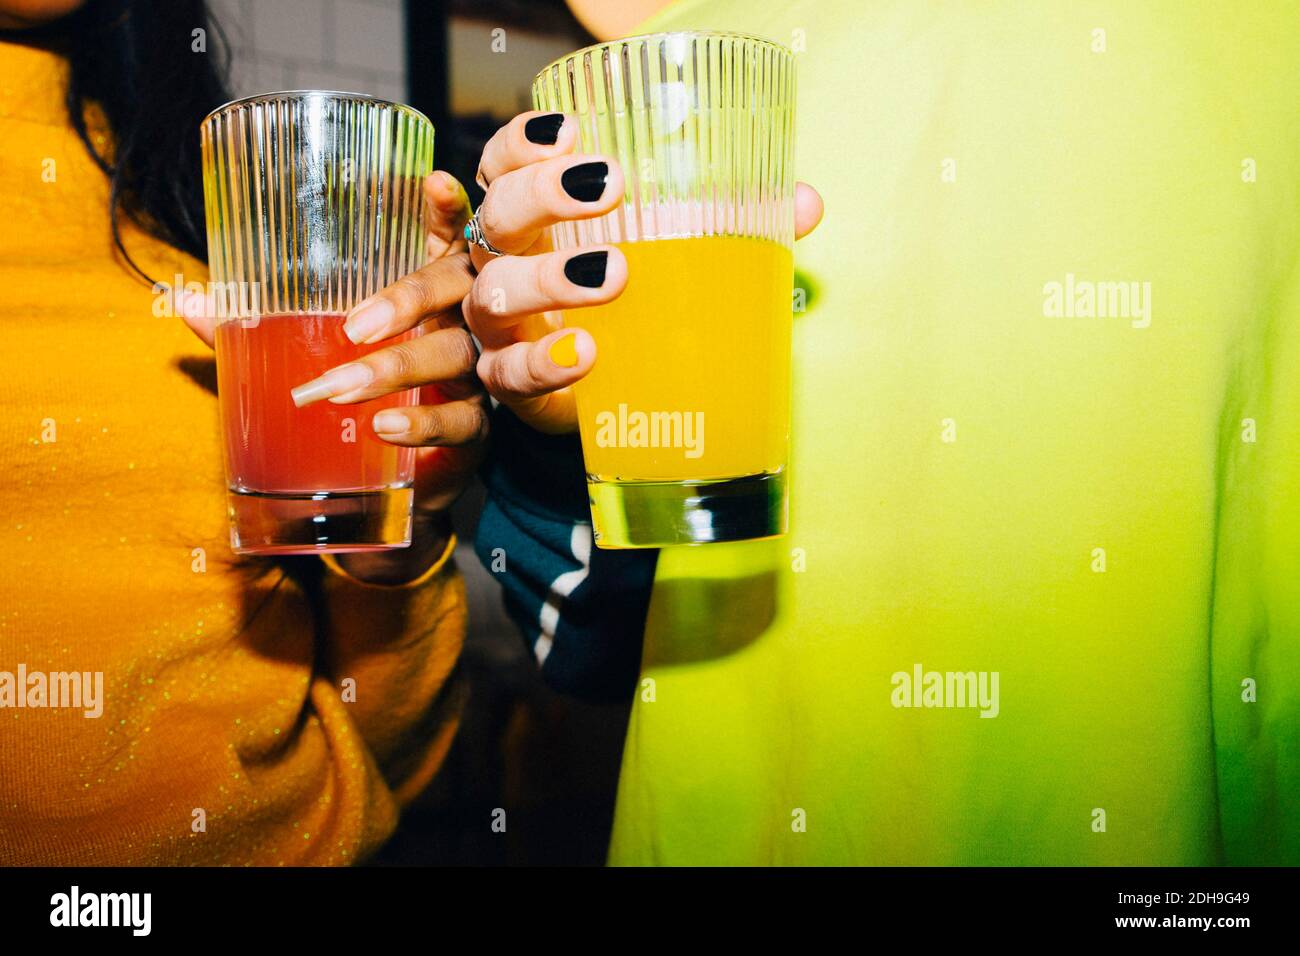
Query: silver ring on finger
{"x": 474, "y": 233}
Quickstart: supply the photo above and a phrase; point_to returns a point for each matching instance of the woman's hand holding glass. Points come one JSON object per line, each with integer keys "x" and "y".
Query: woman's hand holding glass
{"x": 533, "y": 180}
{"x": 451, "y": 424}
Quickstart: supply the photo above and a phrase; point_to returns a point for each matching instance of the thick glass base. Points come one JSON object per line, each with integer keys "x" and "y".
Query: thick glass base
{"x": 322, "y": 523}
{"x": 656, "y": 514}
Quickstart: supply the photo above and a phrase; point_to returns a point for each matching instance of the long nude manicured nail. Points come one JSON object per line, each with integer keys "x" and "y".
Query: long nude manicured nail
{"x": 365, "y": 324}
{"x": 335, "y": 382}
{"x": 391, "y": 423}
{"x": 564, "y": 351}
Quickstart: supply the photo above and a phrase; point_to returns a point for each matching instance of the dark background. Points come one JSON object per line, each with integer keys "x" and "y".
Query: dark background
{"x": 550, "y": 762}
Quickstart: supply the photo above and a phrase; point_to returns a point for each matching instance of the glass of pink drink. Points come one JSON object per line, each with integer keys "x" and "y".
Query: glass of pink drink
{"x": 313, "y": 204}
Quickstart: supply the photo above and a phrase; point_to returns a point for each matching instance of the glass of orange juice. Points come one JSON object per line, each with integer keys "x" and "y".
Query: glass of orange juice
{"x": 313, "y": 203}
{"x": 685, "y": 417}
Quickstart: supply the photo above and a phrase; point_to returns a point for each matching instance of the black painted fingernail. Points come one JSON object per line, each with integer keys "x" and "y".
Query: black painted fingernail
{"x": 544, "y": 130}
{"x": 587, "y": 270}
{"x": 586, "y": 181}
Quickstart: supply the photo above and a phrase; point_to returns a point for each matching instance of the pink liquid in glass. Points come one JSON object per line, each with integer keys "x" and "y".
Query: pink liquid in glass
{"x": 274, "y": 447}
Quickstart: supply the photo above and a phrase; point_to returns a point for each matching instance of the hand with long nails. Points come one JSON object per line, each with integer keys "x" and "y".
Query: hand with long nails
{"x": 450, "y": 426}
{"x": 533, "y": 180}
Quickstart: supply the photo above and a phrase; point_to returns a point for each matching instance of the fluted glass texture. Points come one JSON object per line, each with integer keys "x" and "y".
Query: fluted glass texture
{"x": 701, "y": 124}
{"x": 313, "y": 199}
{"x": 685, "y": 415}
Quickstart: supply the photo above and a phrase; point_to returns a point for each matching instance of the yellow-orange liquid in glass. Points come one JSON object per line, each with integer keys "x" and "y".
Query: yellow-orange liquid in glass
{"x": 692, "y": 374}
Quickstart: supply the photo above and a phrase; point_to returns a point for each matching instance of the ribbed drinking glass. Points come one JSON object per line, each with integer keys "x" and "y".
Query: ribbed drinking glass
{"x": 685, "y": 417}
{"x": 313, "y": 203}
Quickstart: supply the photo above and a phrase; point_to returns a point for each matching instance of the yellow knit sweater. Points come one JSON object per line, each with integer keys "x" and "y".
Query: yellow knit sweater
{"x": 240, "y": 722}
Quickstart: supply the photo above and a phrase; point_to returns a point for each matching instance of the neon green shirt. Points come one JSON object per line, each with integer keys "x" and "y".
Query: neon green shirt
{"x": 1099, "y": 503}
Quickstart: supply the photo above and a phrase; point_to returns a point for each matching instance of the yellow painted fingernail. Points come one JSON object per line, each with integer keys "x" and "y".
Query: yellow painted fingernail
{"x": 563, "y": 351}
